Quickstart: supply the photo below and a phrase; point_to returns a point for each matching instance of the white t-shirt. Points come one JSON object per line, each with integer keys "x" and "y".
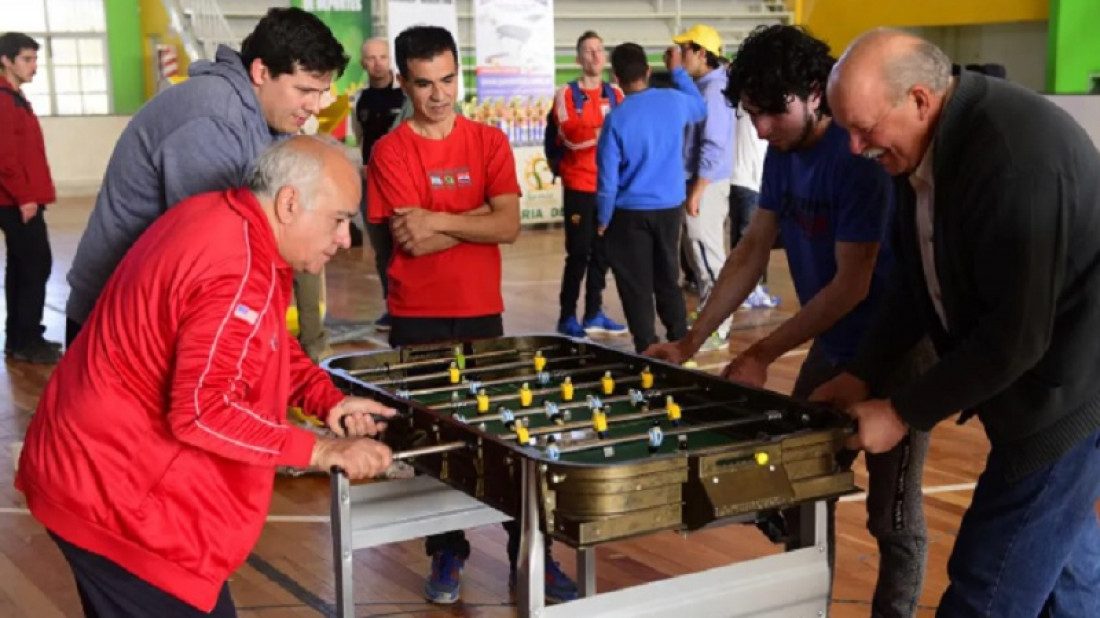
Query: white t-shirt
{"x": 748, "y": 153}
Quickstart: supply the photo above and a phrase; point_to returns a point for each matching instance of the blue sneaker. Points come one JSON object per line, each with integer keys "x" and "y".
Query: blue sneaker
{"x": 445, "y": 582}
{"x": 570, "y": 327}
{"x": 760, "y": 299}
{"x": 559, "y": 588}
{"x": 382, "y": 324}
{"x": 603, "y": 324}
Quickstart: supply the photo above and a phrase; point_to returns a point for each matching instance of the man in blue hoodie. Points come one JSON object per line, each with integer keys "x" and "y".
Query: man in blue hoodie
{"x": 202, "y": 135}
{"x": 640, "y": 189}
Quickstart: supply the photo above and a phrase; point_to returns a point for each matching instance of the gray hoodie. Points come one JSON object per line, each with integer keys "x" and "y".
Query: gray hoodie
{"x": 197, "y": 136}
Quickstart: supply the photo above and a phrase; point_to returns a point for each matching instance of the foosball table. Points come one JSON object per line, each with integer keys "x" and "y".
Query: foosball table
{"x": 589, "y": 445}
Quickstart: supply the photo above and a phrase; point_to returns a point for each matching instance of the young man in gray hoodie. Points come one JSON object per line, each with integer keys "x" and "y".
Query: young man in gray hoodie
{"x": 202, "y": 135}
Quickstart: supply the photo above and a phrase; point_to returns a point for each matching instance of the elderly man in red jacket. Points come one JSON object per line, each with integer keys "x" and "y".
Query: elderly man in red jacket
{"x": 152, "y": 455}
{"x": 25, "y": 189}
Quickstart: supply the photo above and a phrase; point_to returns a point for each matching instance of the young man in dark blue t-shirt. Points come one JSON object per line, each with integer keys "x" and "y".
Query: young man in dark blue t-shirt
{"x": 833, "y": 210}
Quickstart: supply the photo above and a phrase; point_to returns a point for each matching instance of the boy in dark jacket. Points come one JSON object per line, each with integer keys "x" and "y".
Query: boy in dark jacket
{"x": 25, "y": 189}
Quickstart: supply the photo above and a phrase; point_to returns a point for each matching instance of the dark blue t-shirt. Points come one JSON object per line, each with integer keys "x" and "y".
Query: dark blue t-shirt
{"x": 824, "y": 195}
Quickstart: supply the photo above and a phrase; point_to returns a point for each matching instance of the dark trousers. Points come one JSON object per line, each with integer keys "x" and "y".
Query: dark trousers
{"x": 72, "y": 329}
{"x": 895, "y": 508}
{"x": 413, "y": 331}
{"x": 29, "y": 264}
{"x": 585, "y": 256}
{"x": 742, "y": 206}
{"x": 643, "y": 248}
{"x": 381, "y": 241}
{"x": 743, "y": 203}
{"x": 109, "y": 591}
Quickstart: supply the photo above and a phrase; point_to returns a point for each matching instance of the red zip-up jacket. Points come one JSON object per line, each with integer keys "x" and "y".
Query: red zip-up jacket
{"x": 24, "y": 172}
{"x": 156, "y": 440}
{"x": 579, "y": 134}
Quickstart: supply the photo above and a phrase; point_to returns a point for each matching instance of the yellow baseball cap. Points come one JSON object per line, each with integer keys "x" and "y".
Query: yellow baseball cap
{"x": 703, "y": 36}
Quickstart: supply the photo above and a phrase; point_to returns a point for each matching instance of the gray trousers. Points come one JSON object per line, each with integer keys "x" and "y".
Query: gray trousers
{"x": 706, "y": 236}
{"x": 895, "y": 511}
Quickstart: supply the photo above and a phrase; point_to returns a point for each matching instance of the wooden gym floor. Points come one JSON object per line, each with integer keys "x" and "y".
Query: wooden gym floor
{"x": 289, "y": 574}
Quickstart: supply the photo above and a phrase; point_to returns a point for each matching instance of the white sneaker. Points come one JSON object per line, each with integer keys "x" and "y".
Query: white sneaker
{"x": 759, "y": 298}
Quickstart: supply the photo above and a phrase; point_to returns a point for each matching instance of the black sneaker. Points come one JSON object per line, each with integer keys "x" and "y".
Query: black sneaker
{"x": 56, "y": 345}
{"x": 38, "y": 353}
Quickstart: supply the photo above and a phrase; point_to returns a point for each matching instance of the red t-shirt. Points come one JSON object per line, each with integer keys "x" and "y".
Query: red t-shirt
{"x": 455, "y": 174}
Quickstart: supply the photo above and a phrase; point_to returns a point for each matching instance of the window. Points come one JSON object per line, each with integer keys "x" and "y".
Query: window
{"x": 72, "y": 77}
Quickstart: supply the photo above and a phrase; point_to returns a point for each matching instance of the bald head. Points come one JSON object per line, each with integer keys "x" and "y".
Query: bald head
{"x": 375, "y": 59}
{"x": 887, "y": 90}
{"x": 894, "y": 61}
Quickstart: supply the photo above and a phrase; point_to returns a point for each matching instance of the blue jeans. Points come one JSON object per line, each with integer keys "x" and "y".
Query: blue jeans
{"x": 1030, "y": 547}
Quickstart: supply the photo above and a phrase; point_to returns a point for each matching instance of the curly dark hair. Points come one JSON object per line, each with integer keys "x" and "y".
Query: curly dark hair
{"x": 289, "y": 38}
{"x": 774, "y": 62}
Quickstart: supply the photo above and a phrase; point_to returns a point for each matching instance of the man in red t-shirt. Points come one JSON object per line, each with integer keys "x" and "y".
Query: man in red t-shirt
{"x": 579, "y": 124}
{"x": 448, "y": 188}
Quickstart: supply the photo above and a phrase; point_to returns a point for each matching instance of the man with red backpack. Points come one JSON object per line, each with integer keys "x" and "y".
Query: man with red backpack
{"x": 579, "y": 110}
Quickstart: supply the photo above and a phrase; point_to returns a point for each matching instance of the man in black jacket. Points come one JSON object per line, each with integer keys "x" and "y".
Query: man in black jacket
{"x": 998, "y": 261}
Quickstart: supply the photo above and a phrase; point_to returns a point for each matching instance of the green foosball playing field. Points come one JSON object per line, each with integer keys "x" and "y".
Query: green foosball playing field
{"x": 584, "y": 413}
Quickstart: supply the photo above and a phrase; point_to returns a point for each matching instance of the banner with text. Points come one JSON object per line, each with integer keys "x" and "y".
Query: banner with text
{"x": 402, "y": 14}
{"x": 515, "y": 61}
{"x": 541, "y": 201}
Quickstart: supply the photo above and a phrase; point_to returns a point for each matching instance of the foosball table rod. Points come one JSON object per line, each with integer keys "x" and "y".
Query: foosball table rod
{"x": 537, "y": 392}
{"x": 450, "y": 373}
{"x": 428, "y": 362}
{"x": 551, "y": 409}
{"x": 543, "y": 377}
{"x": 770, "y": 416}
{"x": 435, "y": 449}
{"x": 618, "y": 419}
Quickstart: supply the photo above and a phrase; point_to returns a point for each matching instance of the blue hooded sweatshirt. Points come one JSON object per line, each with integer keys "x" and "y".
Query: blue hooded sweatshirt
{"x": 198, "y": 136}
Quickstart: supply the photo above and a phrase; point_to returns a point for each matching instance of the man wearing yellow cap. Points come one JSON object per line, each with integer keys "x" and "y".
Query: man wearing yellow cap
{"x": 708, "y": 157}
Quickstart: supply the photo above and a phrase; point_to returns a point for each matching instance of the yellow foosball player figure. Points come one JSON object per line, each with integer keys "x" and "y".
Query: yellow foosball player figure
{"x": 675, "y": 413}
{"x": 599, "y": 423}
{"x": 567, "y": 389}
{"x": 607, "y": 383}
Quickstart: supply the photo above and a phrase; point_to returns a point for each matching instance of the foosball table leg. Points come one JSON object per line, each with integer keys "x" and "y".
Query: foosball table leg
{"x": 812, "y": 527}
{"x": 532, "y": 550}
{"x": 586, "y": 571}
{"x": 341, "y": 544}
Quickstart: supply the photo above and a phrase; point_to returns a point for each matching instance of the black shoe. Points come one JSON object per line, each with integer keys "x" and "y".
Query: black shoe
{"x": 56, "y": 345}
{"x": 38, "y": 353}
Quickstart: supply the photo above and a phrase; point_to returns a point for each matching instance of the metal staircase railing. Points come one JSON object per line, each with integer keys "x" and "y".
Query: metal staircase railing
{"x": 201, "y": 26}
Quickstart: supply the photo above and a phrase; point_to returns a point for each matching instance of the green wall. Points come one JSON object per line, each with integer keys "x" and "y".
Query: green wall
{"x": 351, "y": 28}
{"x": 124, "y": 50}
{"x": 1073, "y": 53}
